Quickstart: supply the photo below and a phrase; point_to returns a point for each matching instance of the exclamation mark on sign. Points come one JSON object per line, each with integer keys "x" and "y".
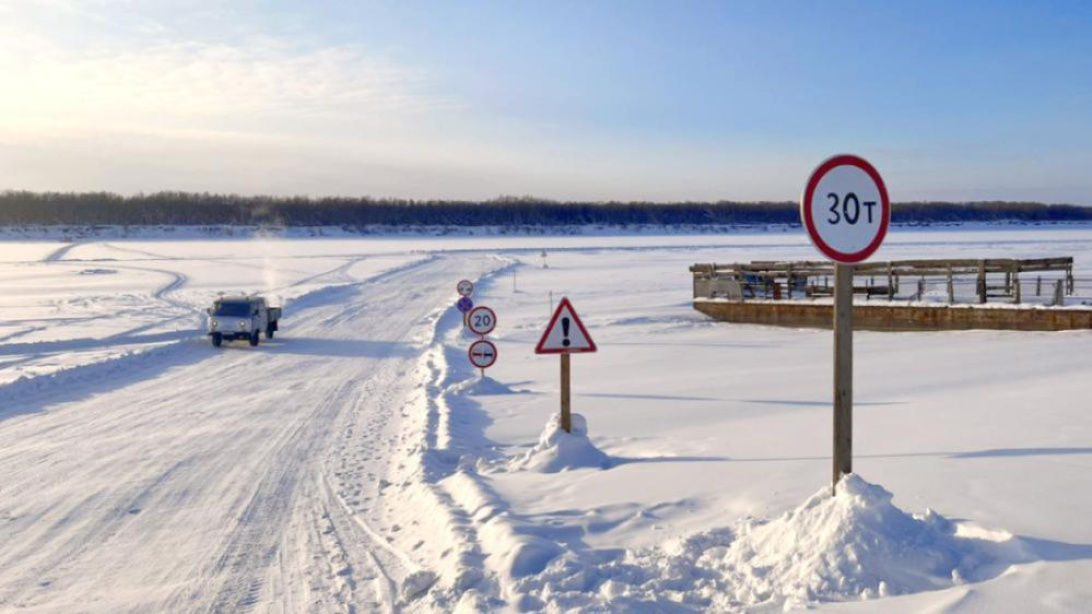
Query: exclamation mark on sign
{"x": 565, "y": 330}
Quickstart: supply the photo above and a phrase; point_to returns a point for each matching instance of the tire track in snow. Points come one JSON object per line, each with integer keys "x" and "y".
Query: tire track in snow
{"x": 343, "y": 520}
{"x": 120, "y": 370}
{"x": 62, "y": 252}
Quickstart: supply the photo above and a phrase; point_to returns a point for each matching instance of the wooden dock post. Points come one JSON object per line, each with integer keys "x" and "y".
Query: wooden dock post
{"x": 1017, "y": 291}
{"x": 951, "y": 286}
{"x": 890, "y": 282}
{"x": 843, "y": 371}
{"x": 1059, "y": 293}
{"x": 981, "y": 282}
{"x": 1039, "y": 286}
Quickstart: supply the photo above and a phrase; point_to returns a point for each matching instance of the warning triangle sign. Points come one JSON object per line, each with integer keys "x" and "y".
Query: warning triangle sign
{"x": 566, "y": 333}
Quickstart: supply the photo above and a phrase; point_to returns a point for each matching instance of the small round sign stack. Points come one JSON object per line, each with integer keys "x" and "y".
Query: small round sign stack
{"x": 845, "y": 209}
{"x": 481, "y": 321}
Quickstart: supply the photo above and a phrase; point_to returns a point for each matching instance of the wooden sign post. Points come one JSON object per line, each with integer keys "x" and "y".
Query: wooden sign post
{"x": 566, "y": 394}
{"x": 846, "y": 211}
{"x": 565, "y": 335}
{"x": 465, "y": 288}
{"x": 843, "y": 370}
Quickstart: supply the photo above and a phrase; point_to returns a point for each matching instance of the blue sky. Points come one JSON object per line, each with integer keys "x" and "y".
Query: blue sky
{"x": 569, "y": 100}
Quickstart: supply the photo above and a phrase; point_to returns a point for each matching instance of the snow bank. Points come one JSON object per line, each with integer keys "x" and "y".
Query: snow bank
{"x": 125, "y": 363}
{"x": 557, "y": 450}
{"x": 852, "y": 546}
{"x": 484, "y": 386}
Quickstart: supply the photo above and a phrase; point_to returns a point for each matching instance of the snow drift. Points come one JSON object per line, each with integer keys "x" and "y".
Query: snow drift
{"x": 557, "y": 450}
{"x": 484, "y": 386}
{"x": 855, "y": 545}
{"x": 852, "y": 545}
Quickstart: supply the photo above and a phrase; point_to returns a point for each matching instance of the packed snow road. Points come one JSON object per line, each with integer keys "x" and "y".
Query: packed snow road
{"x": 232, "y": 480}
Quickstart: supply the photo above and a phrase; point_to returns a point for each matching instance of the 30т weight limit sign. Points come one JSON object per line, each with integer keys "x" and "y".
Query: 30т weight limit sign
{"x": 845, "y": 209}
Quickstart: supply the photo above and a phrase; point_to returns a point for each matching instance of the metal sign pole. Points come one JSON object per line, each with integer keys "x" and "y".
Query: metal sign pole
{"x": 566, "y": 399}
{"x": 843, "y": 371}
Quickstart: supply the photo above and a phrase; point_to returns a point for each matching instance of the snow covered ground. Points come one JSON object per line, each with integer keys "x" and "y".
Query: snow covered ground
{"x": 357, "y": 463}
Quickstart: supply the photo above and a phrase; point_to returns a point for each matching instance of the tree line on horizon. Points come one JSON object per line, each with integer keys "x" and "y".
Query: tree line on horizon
{"x": 22, "y": 208}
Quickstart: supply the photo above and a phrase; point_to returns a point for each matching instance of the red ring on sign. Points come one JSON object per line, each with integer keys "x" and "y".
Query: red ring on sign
{"x": 470, "y": 320}
{"x": 470, "y": 353}
{"x": 809, "y": 222}
{"x": 459, "y": 287}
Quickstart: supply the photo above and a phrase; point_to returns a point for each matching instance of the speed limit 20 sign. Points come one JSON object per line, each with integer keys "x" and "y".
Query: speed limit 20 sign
{"x": 481, "y": 320}
{"x": 845, "y": 209}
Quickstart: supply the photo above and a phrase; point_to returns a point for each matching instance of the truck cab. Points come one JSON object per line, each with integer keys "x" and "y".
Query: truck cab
{"x": 241, "y": 317}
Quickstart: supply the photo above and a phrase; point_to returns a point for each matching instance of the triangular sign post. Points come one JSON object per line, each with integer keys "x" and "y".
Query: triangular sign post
{"x": 565, "y": 335}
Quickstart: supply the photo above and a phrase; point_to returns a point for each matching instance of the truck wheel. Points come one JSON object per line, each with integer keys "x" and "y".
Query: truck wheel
{"x": 254, "y": 339}
{"x": 269, "y": 331}
{"x": 217, "y": 339}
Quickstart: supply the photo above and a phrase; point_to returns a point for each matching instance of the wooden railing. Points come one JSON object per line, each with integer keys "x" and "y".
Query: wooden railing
{"x": 995, "y": 278}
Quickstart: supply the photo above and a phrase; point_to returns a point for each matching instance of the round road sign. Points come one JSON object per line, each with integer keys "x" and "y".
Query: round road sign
{"x": 481, "y": 320}
{"x": 465, "y": 287}
{"x": 845, "y": 209}
{"x": 482, "y": 354}
{"x": 464, "y": 304}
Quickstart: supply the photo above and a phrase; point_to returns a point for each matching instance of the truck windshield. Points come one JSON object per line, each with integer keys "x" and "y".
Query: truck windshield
{"x": 233, "y": 310}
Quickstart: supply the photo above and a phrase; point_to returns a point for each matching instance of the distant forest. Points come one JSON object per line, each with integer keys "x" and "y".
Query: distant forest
{"x": 191, "y": 209}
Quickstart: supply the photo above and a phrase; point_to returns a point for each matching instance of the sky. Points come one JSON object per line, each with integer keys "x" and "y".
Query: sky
{"x": 580, "y": 100}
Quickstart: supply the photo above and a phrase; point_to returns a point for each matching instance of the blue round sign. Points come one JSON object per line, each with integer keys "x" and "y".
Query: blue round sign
{"x": 465, "y": 304}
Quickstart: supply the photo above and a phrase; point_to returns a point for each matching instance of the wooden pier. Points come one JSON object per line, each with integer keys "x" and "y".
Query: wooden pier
{"x": 1003, "y": 294}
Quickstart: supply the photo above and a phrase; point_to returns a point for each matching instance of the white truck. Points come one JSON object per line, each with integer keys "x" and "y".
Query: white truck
{"x": 241, "y": 317}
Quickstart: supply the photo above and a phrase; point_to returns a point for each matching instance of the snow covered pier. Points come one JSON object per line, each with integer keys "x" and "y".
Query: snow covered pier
{"x": 1002, "y": 294}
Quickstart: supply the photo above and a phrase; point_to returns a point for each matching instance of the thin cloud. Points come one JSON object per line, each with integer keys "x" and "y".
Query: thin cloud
{"x": 190, "y": 82}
